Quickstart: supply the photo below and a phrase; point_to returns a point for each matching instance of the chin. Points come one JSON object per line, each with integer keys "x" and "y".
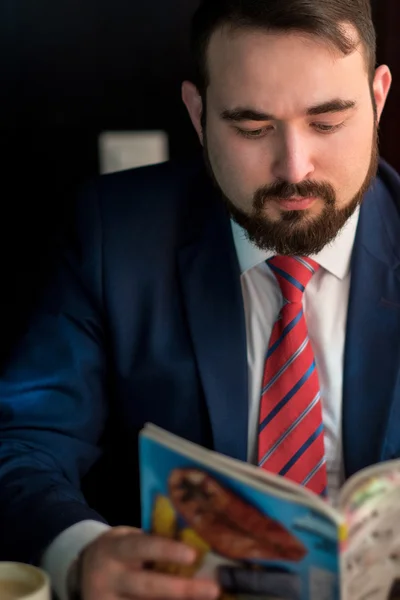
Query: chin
{"x": 272, "y": 216}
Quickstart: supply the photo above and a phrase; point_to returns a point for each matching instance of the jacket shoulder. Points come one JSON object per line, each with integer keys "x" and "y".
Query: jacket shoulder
{"x": 146, "y": 189}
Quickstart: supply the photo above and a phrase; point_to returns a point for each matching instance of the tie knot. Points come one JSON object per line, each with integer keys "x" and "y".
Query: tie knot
{"x": 293, "y": 274}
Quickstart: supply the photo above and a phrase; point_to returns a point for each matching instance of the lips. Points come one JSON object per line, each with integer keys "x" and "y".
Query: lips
{"x": 296, "y": 203}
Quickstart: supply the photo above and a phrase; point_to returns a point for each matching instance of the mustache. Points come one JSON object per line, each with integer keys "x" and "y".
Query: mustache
{"x": 284, "y": 191}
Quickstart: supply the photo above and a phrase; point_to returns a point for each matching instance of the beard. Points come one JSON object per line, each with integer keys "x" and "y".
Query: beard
{"x": 297, "y": 232}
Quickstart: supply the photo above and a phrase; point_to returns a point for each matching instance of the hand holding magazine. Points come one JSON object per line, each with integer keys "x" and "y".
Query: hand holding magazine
{"x": 263, "y": 537}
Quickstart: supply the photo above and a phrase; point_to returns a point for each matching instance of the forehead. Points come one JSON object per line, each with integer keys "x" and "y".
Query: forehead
{"x": 281, "y": 72}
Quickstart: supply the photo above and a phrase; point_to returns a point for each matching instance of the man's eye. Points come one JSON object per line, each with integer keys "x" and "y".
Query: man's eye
{"x": 259, "y": 133}
{"x": 324, "y": 128}
{"x": 253, "y": 133}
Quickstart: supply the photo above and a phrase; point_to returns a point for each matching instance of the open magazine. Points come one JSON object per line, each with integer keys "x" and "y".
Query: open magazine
{"x": 263, "y": 537}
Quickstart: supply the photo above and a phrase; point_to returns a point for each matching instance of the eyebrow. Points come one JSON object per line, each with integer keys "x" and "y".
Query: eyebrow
{"x": 248, "y": 114}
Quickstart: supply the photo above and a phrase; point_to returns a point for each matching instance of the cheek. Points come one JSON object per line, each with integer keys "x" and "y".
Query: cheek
{"x": 344, "y": 156}
{"x": 241, "y": 161}
{"x": 346, "y": 165}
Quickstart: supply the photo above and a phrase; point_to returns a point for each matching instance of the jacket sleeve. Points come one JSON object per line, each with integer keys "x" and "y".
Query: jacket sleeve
{"x": 52, "y": 400}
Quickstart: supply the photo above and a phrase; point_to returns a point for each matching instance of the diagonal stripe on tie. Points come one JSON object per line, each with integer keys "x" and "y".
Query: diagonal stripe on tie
{"x": 290, "y": 311}
{"x": 290, "y": 429}
{"x": 289, "y": 413}
{"x": 284, "y": 384}
{"x": 284, "y": 352}
{"x": 288, "y": 278}
{"x": 301, "y": 450}
{"x": 314, "y": 471}
{"x": 318, "y": 481}
{"x": 305, "y": 264}
{"x": 286, "y": 366}
{"x": 288, "y": 397}
{"x": 306, "y": 462}
{"x": 285, "y": 332}
{"x": 296, "y": 439}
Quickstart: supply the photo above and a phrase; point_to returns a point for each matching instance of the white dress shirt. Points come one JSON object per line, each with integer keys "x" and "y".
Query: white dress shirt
{"x": 325, "y": 304}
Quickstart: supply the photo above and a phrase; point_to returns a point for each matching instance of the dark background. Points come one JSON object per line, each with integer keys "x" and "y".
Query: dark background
{"x": 70, "y": 69}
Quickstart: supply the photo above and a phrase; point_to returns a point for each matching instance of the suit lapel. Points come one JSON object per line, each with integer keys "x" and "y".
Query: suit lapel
{"x": 371, "y": 407}
{"x": 210, "y": 280}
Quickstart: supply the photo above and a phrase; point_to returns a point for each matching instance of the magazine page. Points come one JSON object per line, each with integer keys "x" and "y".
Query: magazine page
{"x": 376, "y": 480}
{"x": 370, "y": 559}
{"x": 256, "y": 544}
{"x": 280, "y": 485}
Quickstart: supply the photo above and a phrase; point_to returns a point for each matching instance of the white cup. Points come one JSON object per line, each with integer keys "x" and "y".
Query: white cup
{"x": 23, "y": 582}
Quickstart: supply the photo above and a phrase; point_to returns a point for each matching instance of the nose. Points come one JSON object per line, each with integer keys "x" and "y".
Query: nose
{"x": 292, "y": 162}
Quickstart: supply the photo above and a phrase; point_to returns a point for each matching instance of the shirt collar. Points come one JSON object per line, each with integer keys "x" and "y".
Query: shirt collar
{"x": 334, "y": 257}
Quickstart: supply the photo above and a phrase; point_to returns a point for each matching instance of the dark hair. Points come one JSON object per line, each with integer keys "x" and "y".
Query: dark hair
{"x": 320, "y": 18}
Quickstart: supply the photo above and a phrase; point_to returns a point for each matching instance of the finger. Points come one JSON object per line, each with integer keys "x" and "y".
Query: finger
{"x": 156, "y": 586}
{"x": 151, "y": 548}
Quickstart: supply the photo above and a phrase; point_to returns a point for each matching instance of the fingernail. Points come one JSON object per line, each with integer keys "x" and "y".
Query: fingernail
{"x": 211, "y": 592}
{"x": 189, "y": 555}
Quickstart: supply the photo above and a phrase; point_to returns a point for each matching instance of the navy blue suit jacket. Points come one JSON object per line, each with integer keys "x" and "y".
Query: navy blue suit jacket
{"x": 145, "y": 322}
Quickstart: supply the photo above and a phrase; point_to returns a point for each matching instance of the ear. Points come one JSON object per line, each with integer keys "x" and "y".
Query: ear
{"x": 381, "y": 87}
{"x": 193, "y": 102}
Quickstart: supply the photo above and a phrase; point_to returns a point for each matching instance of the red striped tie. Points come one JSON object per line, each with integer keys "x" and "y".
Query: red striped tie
{"x": 291, "y": 432}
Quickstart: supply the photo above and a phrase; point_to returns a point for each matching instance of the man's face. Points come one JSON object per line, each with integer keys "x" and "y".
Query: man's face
{"x": 290, "y": 135}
